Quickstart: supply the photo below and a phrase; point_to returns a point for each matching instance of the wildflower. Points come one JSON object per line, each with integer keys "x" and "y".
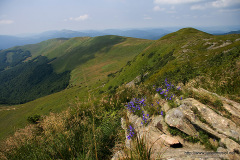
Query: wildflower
{"x": 181, "y": 98}
{"x": 162, "y": 113}
{"x": 131, "y": 132}
{"x": 142, "y": 101}
{"x": 145, "y": 118}
{"x": 135, "y": 104}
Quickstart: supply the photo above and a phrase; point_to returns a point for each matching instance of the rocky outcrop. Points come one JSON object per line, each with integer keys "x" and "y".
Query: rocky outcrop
{"x": 176, "y": 118}
{"x": 231, "y": 106}
{"x": 218, "y": 122}
{"x": 190, "y": 117}
{"x": 213, "y": 44}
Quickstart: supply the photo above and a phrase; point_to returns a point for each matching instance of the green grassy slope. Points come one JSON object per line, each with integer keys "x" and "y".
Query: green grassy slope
{"x": 213, "y": 61}
{"x": 188, "y": 54}
{"x": 111, "y": 54}
{"x": 15, "y": 116}
{"x": 105, "y": 63}
{"x": 43, "y": 47}
{"x": 36, "y": 77}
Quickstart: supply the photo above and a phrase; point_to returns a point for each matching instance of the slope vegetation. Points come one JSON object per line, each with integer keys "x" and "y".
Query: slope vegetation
{"x": 187, "y": 55}
{"x": 33, "y": 71}
{"x": 80, "y": 64}
{"x": 170, "y": 100}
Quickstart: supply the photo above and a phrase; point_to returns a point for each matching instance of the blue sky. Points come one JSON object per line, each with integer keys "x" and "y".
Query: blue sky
{"x": 34, "y": 16}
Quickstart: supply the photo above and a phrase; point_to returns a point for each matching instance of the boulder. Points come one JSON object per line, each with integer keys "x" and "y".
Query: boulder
{"x": 168, "y": 140}
{"x": 218, "y": 122}
{"x": 176, "y": 118}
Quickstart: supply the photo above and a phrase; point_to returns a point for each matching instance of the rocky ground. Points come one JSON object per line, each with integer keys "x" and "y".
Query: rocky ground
{"x": 193, "y": 118}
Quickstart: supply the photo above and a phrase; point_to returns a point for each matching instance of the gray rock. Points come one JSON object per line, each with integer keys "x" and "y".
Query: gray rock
{"x": 218, "y": 122}
{"x": 176, "y": 118}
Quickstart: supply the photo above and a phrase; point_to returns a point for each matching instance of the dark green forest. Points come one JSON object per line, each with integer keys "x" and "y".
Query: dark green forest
{"x": 11, "y": 58}
{"x": 30, "y": 80}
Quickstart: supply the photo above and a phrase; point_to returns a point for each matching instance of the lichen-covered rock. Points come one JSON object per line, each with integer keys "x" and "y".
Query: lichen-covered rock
{"x": 176, "y": 118}
{"x": 231, "y": 106}
{"x": 154, "y": 137}
{"x": 218, "y": 122}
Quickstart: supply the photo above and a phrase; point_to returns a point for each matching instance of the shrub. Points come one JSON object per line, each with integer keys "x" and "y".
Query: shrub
{"x": 34, "y": 119}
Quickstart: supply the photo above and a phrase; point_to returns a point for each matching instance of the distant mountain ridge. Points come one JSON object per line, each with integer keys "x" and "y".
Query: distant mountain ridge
{"x": 11, "y": 41}
{"x": 145, "y": 33}
{"x": 234, "y": 32}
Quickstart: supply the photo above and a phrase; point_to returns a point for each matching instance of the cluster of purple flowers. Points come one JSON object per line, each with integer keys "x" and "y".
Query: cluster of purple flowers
{"x": 166, "y": 90}
{"x": 145, "y": 118}
{"x": 135, "y": 104}
{"x": 131, "y": 132}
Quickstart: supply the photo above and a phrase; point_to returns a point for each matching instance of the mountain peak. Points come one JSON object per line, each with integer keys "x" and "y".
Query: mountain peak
{"x": 189, "y": 30}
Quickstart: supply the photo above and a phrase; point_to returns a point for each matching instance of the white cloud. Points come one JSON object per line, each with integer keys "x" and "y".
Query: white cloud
{"x": 199, "y": 7}
{"x": 80, "y": 18}
{"x": 6, "y": 21}
{"x": 175, "y": 1}
{"x": 215, "y": 4}
{"x": 224, "y": 3}
{"x": 157, "y": 8}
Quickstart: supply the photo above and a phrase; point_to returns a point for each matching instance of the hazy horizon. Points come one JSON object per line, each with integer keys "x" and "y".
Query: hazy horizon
{"x": 31, "y": 17}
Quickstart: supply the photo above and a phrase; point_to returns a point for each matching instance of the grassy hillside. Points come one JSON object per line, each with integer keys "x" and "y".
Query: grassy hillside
{"x": 97, "y": 95}
{"x": 15, "y": 116}
{"x": 45, "y": 68}
{"x": 43, "y": 47}
{"x": 188, "y": 54}
{"x": 39, "y": 76}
